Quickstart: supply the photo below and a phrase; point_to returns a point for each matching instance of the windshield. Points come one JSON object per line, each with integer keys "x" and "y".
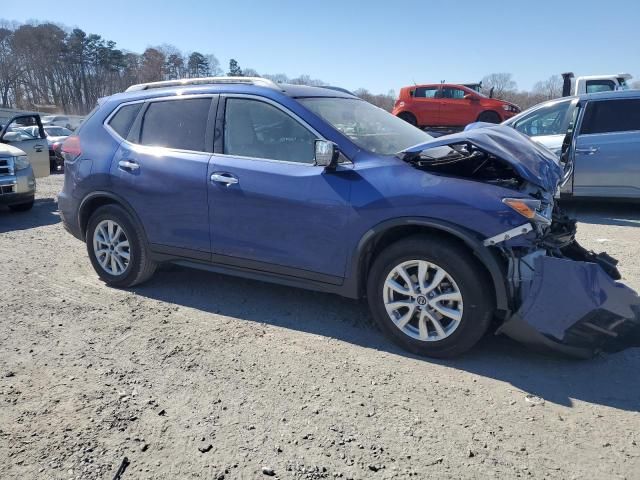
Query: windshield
{"x": 367, "y": 126}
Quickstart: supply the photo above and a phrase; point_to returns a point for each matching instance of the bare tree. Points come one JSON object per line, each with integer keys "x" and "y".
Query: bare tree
{"x": 549, "y": 88}
{"x": 501, "y": 83}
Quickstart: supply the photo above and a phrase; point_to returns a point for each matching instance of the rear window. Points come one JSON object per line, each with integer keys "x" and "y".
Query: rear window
{"x": 611, "y": 116}
{"x": 179, "y": 124}
{"x": 122, "y": 120}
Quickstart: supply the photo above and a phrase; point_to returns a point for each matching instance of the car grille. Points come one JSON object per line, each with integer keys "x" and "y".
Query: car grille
{"x": 6, "y": 166}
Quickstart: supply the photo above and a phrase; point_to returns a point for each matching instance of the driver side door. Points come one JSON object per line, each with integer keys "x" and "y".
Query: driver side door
{"x": 271, "y": 209}
{"x": 34, "y": 145}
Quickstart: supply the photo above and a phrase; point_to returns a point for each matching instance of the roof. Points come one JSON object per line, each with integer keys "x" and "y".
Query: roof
{"x": 266, "y": 89}
{"x": 614, "y": 94}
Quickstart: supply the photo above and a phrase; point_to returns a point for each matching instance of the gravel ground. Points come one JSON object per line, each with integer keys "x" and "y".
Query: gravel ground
{"x": 197, "y": 375}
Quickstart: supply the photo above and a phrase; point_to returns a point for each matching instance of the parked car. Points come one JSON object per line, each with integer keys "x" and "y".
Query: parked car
{"x": 605, "y": 152}
{"x": 35, "y": 147}
{"x": 17, "y": 181}
{"x": 55, "y": 136}
{"x": 70, "y": 122}
{"x": 316, "y": 188}
{"x": 449, "y": 105}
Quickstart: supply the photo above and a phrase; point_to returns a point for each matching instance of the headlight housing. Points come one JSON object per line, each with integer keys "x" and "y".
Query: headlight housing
{"x": 530, "y": 209}
{"x": 510, "y": 108}
{"x": 21, "y": 162}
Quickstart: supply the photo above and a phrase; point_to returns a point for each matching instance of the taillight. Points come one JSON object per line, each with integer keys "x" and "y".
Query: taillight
{"x": 71, "y": 148}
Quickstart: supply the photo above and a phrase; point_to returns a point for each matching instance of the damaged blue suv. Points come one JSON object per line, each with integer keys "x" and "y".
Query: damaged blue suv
{"x": 312, "y": 187}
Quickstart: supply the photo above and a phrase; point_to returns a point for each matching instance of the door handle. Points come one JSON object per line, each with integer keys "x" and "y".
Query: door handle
{"x": 587, "y": 151}
{"x": 225, "y": 178}
{"x": 128, "y": 165}
{"x": 38, "y": 148}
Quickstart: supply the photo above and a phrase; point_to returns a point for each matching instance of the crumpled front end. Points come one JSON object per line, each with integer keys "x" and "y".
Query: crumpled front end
{"x": 563, "y": 298}
{"x": 568, "y": 299}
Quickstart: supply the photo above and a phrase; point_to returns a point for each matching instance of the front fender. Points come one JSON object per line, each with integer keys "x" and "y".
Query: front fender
{"x": 355, "y": 281}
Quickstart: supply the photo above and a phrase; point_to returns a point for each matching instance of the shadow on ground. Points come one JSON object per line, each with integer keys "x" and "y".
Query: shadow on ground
{"x": 601, "y": 212}
{"x": 44, "y": 212}
{"x": 610, "y": 381}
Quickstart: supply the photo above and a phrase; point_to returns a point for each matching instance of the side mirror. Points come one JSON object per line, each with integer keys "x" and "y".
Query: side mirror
{"x": 326, "y": 154}
{"x": 470, "y": 96}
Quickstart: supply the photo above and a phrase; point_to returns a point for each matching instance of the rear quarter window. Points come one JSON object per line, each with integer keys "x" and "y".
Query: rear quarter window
{"x": 607, "y": 116}
{"x": 123, "y": 119}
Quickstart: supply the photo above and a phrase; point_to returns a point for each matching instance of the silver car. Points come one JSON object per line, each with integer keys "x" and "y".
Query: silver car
{"x": 601, "y": 132}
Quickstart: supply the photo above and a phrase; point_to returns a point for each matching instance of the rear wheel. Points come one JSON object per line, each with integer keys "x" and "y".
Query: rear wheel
{"x": 489, "y": 117}
{"x": 117, "y": 248}
{"x": 427, "y": 294}
{"x": 409, "y": 118}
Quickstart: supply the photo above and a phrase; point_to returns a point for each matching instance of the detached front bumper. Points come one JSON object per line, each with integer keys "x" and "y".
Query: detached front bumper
{"x": 574, "y": 308}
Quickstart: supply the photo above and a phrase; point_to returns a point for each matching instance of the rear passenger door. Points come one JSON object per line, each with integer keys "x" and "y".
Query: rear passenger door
{"x": 160, "y": 169}
{"x": 455, "y": 110}
{"x": 607, "y": 150}
{"x": 427, "y": 105}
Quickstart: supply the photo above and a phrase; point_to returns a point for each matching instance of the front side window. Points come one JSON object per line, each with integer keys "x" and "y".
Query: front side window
{"x": 594, "y": 86}
{"x": 253, "y": 128}
{"x": 369, "y": 127}
{"x": 453, "y": 93}
{"x": 179, "y": 124}
{"x": 606, "y": 116}
{"x": 551, "y": 120}
{"x": 425, "y": 92}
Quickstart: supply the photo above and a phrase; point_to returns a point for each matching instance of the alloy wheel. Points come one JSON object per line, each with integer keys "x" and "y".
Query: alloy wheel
{"x": 423, "y": 300}
{"x": 111, "y": 247}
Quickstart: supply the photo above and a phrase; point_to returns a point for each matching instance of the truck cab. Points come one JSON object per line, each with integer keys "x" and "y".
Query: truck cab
{"x": 594, "y": 83}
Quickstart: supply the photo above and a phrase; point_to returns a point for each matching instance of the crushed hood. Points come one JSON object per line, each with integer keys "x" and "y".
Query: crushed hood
{"x": 533, "y": 162}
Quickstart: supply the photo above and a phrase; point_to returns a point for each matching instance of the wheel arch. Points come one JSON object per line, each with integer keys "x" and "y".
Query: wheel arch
{"x": 386, "y": 233}
{"x": 407, "y": 113}
{"x": 98, "y": 199}
{"x": 490, "y": 110}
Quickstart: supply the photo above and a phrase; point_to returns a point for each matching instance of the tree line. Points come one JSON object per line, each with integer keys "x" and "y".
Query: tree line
{"x": 46, "y": 67}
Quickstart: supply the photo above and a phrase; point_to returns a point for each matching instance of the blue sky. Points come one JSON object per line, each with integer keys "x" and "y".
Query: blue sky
{"x": 379, "y": 45}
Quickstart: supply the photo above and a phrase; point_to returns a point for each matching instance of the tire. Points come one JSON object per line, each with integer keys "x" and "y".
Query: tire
{"x": 475, "y": 308}
{"x": 409, "y": 118}
{"x": 122, "y": 272}
{"x": 489, "y": 117}
{"x": 22, "y": 207}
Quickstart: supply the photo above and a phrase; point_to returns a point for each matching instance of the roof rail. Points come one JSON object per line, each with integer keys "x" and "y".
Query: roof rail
{"x": 258, "y": 81}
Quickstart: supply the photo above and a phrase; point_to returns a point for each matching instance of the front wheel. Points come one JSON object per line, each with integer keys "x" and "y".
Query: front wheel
{"x": 117, "y": 248}
{"x": 430, "y": 296}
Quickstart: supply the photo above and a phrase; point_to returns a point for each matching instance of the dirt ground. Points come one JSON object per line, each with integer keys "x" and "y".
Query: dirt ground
{"x": 198, "y": 375}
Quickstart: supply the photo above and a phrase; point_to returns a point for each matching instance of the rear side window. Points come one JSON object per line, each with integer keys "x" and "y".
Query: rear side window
{"x": 425, "y": 92}
{"x": 179, "y": 124}
{"x": 594, "y": 86}
{"x": 122, "y": 120}
{"x": 611, "y": 116}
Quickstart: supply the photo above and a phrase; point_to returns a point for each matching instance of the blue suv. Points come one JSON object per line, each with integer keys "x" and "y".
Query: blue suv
{"x": 314, "y": 188}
